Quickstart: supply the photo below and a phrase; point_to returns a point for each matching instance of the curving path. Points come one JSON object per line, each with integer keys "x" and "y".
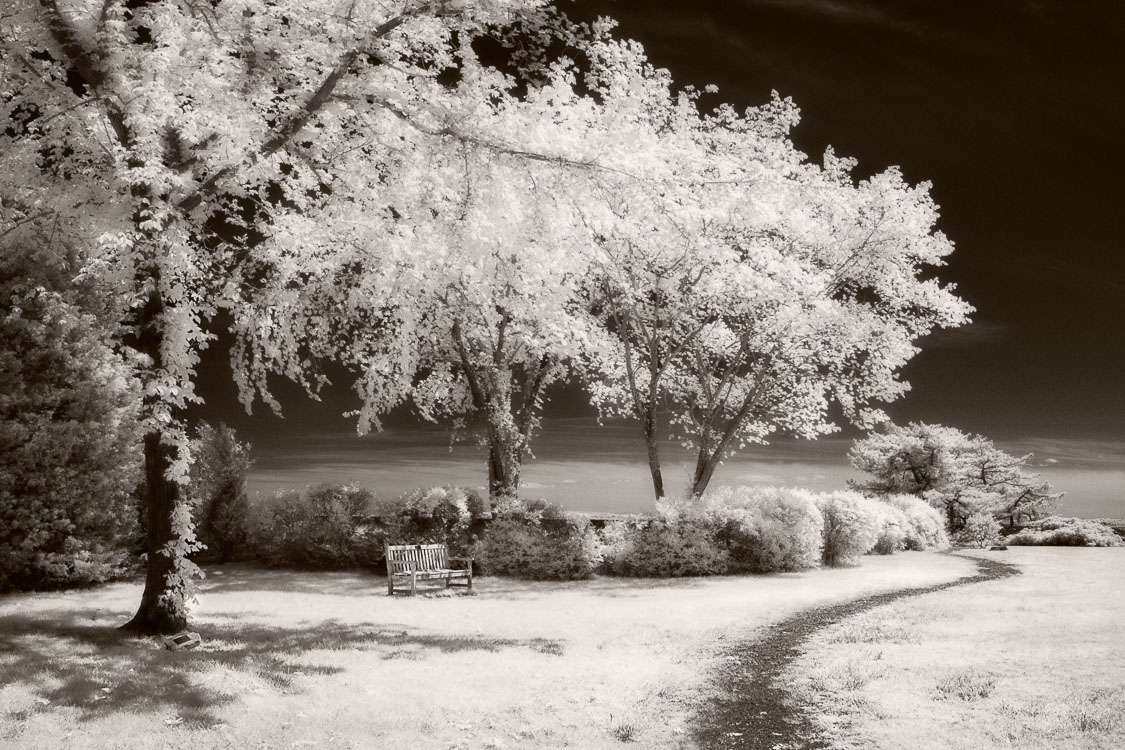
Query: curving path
{"x": 755, "y": 711}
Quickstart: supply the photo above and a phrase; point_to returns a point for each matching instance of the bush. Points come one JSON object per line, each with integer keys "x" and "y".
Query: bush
{"x": 324, "y": 527}
{"x": 221, "y": 506}
{"x": 766, "y": 529}
{"x": 1066, "y": 532}
{"x": 925, "y": 528}
{"x": 537, "y": 540}
{"x": 440, "y": 515}
{"x": 980, "y": 530}
{"x": 852, "y": 525}
{"x": 679, "y": 542}
{"x": 894, "y": 527}
{"x": 69, "y": 442}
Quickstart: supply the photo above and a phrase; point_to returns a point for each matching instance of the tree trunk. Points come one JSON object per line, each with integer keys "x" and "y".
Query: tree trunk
{"x": 163, "y": 609}
{"x": 504, "y": 464}
{"x": 705, "y": 464}
{"x": 505, "y": 450}
{"x": 653, "y": 455}
{"x": 952, "y": 518}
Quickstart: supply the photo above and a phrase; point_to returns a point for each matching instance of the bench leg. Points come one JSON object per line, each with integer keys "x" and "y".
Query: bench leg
{"x": 413, "y": 584}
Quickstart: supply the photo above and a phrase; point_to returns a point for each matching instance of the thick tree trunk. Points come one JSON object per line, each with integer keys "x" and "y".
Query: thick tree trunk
{"x": 163, "y": 609}
{"x": 504, "y": 465}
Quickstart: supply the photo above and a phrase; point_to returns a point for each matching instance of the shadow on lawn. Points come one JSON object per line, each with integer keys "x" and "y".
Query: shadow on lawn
{"x": 79, "y": 660}
{"x": 238, "y": 577}
{"x": 249, "y": 577}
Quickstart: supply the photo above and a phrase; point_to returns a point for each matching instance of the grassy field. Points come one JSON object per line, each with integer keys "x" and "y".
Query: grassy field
{"x": 304, "y": 660}
{"x": 1031, "y": 662}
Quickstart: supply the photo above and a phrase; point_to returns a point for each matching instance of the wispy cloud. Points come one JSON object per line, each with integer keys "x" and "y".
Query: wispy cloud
{"x": 849, "y": 11}
{"x": 971, "y": 336}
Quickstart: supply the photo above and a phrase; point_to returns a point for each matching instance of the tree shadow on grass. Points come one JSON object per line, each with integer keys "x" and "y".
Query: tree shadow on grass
{"x": 75, "y": 659}
{"x": 239, "y": 577}
{"x": 250, "y": 577}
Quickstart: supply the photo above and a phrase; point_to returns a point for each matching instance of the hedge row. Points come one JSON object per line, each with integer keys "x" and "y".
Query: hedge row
{"x": 1066, "y": 532}
{"x": 730, "y": 530}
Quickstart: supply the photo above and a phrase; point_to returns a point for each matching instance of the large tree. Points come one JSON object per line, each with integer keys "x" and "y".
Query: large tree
{"x": 956, "y": 472}
{"x": 165, "y": 139}
{"x": 757, "y": 292}
{"x": 461, "y": 291}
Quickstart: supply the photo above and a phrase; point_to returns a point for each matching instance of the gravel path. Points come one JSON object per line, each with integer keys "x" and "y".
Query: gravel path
{"x": 755, "y": 711}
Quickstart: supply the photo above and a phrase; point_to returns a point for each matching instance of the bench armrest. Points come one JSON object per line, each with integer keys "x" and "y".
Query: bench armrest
{"x": 467, "y": 560}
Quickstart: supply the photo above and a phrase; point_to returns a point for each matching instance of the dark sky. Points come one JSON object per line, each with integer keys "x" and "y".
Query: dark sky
{"x": 1014, "y": 110}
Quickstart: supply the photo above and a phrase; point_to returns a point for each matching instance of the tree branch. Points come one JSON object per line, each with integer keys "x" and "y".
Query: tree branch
{"x": 85, "y": 63}
{"x": 479, "y": 399}
{"x": 296, "y": 121}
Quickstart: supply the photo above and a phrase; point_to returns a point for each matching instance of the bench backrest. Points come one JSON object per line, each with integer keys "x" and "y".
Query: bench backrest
{"x": 428, "y": 556}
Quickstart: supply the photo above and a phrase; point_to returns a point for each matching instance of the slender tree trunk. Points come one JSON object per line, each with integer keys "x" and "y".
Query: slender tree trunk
{"x": 705, "y": 464}
{"x": 653, "y": 454}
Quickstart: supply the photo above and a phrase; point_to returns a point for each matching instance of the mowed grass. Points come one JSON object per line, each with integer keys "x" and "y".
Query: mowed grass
{"x": 327, "y": 660}
{"x": 1035, "y": 661}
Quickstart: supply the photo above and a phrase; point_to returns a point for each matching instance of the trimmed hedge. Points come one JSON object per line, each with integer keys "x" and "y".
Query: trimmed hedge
{"x": 729, "y": 530}
{"x": 925, "y": 528}
{"x": 439, "y": 515}
{"x": 893, "y": 529}
{"x": 537, "y": 540}
{"x": 852, "y": 525}
{"x": 679, "y": 542}
{"x": 1065, "y": 532}
{"x": 322, "y": 527}
{"x": 767, "y": 529}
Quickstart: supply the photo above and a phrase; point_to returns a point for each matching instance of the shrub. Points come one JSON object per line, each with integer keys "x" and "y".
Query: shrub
{"x": 445, "y": 515}
{"x": 320, "y": 528}
{"x": 1066, "y": 532}
{"x": 852, "y": 525}
{"x": 925, "y": 528}
{"x": 537, "y": 540}
{"x": 69, "y": 442}
{"x": 894, "y": 527}
{"x": 679, "y": 542}
{"x": 767, "y": 529}
{"x": 221, "y": 506}
{"x": 980, "y": 530}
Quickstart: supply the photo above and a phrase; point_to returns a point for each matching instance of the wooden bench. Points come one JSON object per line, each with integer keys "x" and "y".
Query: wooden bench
{"x": 411, "y": 563}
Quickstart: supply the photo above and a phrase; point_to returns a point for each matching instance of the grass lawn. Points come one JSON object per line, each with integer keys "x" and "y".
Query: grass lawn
{"x": 1031, "y": 662}
{"x": 304, "y": 660}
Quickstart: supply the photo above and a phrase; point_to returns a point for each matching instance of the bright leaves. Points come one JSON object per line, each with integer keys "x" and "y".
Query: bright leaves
{"x": 355, "y": 182}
